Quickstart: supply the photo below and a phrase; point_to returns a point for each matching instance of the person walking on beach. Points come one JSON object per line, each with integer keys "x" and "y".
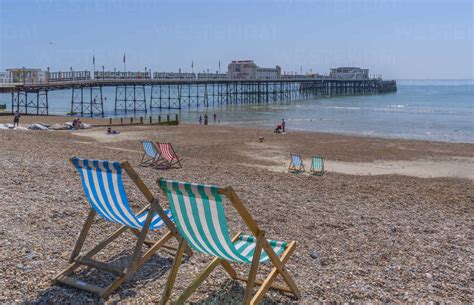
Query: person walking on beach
{"x": 283, "y": 125}
{"x": 16, "y": 119}
{"x": 200, "y": 120}
{"x": 215, "y": 118}
{"x": 205, "y": 119}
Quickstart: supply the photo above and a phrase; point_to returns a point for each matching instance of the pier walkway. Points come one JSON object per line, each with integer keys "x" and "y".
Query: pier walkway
{"x": 140, "y": 94}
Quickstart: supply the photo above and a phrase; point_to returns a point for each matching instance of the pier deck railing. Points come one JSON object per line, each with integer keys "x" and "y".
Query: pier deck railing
{"x": 131, "y": 95}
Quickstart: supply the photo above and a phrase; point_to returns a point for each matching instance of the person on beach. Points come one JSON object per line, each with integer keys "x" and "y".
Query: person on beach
{"x": 200, "y": 120}
{"x": 110, "y": 131}
{"x": 283, "y": 125}
{"x": 78, "y": 124}
{"x": 16, "y": 119}
{"x": 215, "y": 118}
{"x": 205, "y": 119}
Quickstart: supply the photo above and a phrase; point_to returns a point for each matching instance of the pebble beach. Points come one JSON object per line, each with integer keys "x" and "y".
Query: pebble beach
{"x": 370, "y": 229}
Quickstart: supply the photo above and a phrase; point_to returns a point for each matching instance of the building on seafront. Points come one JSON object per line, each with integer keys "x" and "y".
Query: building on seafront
{"x": 248, "y": 69}
{"x": 26, "y": 75}
{"x": 349, "y": 73}
{"x": 5, "y": 78}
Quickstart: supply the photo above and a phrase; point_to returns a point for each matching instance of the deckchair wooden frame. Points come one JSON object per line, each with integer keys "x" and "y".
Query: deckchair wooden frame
{"x": 136, "y": 261}
{"x": 149, "y": 161}
{"x": 170, "y": 164}
{"x": 292, "y": 167}
{"x": 312, "y": 170}
{"x": 261, "y": 243}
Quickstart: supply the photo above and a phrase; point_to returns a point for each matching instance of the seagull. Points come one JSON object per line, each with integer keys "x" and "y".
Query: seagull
{"x": 51, "y": 43}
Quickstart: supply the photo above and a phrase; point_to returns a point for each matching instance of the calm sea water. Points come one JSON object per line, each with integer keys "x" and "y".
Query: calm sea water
{"x": 421, "y": 109}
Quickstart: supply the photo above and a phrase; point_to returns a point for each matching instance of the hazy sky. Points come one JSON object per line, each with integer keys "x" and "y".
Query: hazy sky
{"x": 398, "y": 39}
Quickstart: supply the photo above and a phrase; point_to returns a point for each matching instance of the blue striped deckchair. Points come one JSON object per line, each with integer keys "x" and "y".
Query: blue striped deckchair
{"x": 296, "y": 164}
{"x": 151, "y": 154}
{"x": 104, "y": 189}
{"x": 317, "y": 165}
{"x": 199, "y": 215}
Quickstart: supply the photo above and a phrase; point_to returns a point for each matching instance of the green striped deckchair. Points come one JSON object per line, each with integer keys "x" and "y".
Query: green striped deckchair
{"x": 317, "y": 165}
{"x": 198, "y": 212}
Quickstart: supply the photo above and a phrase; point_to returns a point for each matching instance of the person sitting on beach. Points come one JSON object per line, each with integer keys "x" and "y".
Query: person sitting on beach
{"x": 110, "y": 131}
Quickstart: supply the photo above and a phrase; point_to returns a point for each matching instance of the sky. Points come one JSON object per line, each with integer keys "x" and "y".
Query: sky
{"x": 398, "y": 39}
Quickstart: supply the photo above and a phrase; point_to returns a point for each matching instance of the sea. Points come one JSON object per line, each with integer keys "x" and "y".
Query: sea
{"x": 433, "y": 110}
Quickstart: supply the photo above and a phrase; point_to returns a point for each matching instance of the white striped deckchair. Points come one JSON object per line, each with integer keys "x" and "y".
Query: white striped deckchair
{"x": 199, "y": 214}
{"x": 296, "y": 164}
{"x": 104, "y": 189}
{"x": 151, "y": 155}
{"x": 169, "y": 155}
{"x": 317, "y": 165}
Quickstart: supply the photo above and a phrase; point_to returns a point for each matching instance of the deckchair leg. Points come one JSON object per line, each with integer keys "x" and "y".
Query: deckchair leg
{"x": 140, "y": 241}
{"x": 254, "y": 268}
{"x": 134, "y": 259}
{"x": 80, "y": 242}
{"x": 160, "y": 243}
{"x": 200, "y": 278}
{"x": 82, "y": 236}
{"x": 267, "y": 284}
{"x": 173, "y": 272}
{"x": 281, "y": 268}
{"x": 89, "y": 254}
{"x": 229, "y": 269}
{"x": 138, "y": 264}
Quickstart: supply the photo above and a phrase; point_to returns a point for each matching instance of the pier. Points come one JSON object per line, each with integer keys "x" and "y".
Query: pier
{"x": 139, "y": 92}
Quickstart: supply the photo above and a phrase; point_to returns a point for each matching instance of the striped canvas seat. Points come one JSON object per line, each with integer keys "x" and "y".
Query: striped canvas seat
{"x": 169, "y": 155}
{"x": 199, "y": 215}
{"x": 150, "y": 149}
{"x": 296, "y": 163}
{"x": 317, "y": 165}
{"x": 296, "y": 159}
{"x": 167, "y": 152}
{"x": 103, "y": 186}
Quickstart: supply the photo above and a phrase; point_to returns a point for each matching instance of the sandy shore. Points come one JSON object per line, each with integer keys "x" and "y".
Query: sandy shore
{"x": 389, "y": 221}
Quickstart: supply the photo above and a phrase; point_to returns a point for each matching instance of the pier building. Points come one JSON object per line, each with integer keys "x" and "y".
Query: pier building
{"x": 349, "y": 73}
{"x": 248, "y": 69}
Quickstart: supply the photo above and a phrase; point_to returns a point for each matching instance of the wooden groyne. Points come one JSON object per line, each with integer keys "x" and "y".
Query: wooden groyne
{"x": 140, "y": 121}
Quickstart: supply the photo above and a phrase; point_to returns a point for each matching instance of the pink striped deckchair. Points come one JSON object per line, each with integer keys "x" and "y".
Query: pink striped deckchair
{"x": 169, "y": 155}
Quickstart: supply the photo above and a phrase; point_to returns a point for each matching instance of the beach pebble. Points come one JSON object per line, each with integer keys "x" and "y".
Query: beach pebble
{"x": 381, "y": 238}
